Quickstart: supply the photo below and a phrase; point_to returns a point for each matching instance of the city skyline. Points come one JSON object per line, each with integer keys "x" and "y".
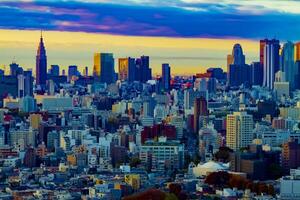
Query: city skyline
{"x": 73, "y": 48}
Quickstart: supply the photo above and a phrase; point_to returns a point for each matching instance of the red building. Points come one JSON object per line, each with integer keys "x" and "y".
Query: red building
{"x": 200, "y": 109}
{"x": 157, "y": 130}
{"x": 290, "y": 156}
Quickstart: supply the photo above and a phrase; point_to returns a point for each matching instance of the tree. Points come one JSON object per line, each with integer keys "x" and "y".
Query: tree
{"x": 134, "y": 161}
{"x": 223, "y": 154}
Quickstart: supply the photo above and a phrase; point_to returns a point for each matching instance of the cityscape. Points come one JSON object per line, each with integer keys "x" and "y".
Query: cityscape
{"x": 142, "y": 127}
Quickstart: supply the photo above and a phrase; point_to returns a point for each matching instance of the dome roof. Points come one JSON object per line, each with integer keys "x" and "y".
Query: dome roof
{"x": 214, "y": 166}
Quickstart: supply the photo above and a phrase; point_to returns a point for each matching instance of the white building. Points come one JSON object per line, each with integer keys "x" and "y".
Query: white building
{"x": 290, "y": 186}
{"x": 239, "y": 130}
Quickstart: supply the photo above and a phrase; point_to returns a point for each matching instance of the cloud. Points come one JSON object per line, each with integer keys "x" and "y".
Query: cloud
{"x": 170, "y": 18}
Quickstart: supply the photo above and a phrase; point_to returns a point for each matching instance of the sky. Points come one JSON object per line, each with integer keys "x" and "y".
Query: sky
{"x": 191, "y": 35}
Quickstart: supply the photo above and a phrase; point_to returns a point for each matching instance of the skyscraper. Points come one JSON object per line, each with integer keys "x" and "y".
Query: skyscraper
{"x": 297, "y": 45}
{"x": 239, "y": 126}
{"x": 288, "y": 64}
{"x": 271, "y": 62}
{"x": 166, "y": 76}
{"x": 256, "y": 70}
{"x": 41, "y": 64}
{"x": 54, "y": 70}
{"x": 143, "y": 70}
{"x": 262, "y": 44}
{"x": 200, "y": 109}
{"x": 127, "y": 69}
{"x": 72, "y": 71}
{"x": 238, "y": 72}
{"x": 104, "y": 67}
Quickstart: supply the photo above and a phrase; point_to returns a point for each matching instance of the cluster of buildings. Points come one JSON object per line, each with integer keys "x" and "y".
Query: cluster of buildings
{"x": 109, "y": 135}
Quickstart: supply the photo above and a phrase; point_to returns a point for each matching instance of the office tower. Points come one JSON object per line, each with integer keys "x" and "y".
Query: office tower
{"x": 297, "y": 52}
{"x": 104, "y": 67}
{"x": 229, "y": 62}
{"x": 51, "y": 87}
{"x": 297, "y": 76}
{"x": 127, "y": 69}
{"x": 21, "y": 81}
{"x": 143, "y": 71}
{"x": 238, "y": 72}
{"x": 41, "y": 65}
{"x": 148, "y": 107}
{"x": 27, "y": 104}
{"x": 290, "y": 156}
{"x": 162, "y": 155}
{"x": 237, "y": 55}
{"x": 166, "y": 76}
{"x": 256, "y": 70}
{"x": 72, "y": 71}
{"x": 35, "y": 120}
{"x": 54, "y": 70}
{"x": 8, "y": 85}
{"x": 288, "y": 64}
{"x": 25, "y": 84}
{"x": 86, "y": 72}
{"x": 200, "y": 109}
{"x": 239, "y": 127}
{"x": 271, "y": 62}
{"x": 15, "y": 69}
{"x": 262, "y": 44}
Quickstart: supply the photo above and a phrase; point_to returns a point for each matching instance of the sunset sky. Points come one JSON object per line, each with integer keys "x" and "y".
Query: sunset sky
{"x": 191, "y": 35}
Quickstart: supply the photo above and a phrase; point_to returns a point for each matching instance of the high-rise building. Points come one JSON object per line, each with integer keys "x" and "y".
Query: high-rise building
{"x": 271, "y": 62}
{"x": 54, "y": 70}
{"x": 262, "y": 44}
{"x": 104, "y": 67}
{"x": 288, "y": 64}
{"x": 239, "y": 127}
{"x": 200, "y": 109}
{"x": 15, "y": 69}
{"x": 238, "y": 71}
{"x": 72, "y": 71}
{"x": 290, "y": 156}
{"x": 41, "y": 64}
{"x": 127, "y": 69}
{"x": 143, "y": 70}
{"x": 256, "y": 69}
{"x": 297, "y": 52}
{"x": 25, "y": 84}
{"x": 166, "y": 76}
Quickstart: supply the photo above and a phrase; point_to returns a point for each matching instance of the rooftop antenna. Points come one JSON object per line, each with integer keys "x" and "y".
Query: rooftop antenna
{"x": 14, "y": 59}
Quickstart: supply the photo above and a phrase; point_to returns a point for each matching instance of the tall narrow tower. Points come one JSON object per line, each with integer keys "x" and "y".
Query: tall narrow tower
{"x": 41, "y": 64}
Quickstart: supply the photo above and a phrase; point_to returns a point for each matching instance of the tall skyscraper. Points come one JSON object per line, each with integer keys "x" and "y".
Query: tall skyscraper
{"x": 288, "y": 64}
{"x": 200, "y": 109}
{"x": 271, "y": 62}
{"x": 143, "y": 70}
{"x": 297, "y": 46}
{"x": 262, "y": 44}
{"x": 166, "y": 76}
{"x": 127, "y": 69}
{"x": 15, "y": 69}
{"x": 28, "y": 85}
{"x": 54, "y": 70}
{"x": 256, "y": 69}
{"x": 239, "y": 127}
{"x": 238, "y": 72}
{"x": 104, "y": 67}
{"x": 41, "y": 64}
{"x": 72, "y": 71}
